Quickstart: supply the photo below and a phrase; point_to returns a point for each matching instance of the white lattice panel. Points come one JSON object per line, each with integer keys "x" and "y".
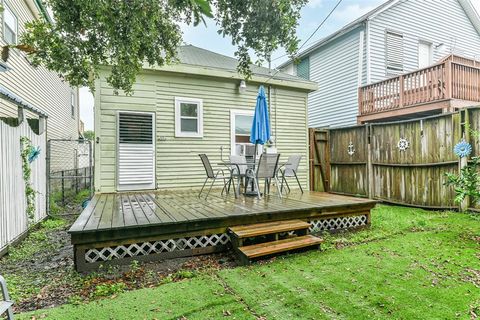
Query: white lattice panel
{"x": 152, "y": 247}
{"x": 338, "y": 223}
{"x": 170, "y": 245}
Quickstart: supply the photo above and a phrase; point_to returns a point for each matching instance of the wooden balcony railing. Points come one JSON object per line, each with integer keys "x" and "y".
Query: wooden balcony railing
{"x": 453, "y": 78}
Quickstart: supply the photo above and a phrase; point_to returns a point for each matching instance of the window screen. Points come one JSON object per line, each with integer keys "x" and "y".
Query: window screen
{"x": 135, "y": 128}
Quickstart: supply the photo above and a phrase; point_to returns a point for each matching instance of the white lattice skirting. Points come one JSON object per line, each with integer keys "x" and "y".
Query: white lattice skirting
{"x": 338, "y": 223}
{"x": 170, "y": 245}
{"x": 152, "y": 247}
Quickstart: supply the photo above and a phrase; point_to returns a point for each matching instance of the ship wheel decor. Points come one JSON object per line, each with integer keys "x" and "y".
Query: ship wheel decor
{"x": 351, "y": 149}
{"x": 403, "y": 144}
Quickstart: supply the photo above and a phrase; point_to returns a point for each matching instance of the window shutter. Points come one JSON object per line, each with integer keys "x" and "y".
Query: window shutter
{"x": 394, "y": 52}
{"x": 303, "y": 68}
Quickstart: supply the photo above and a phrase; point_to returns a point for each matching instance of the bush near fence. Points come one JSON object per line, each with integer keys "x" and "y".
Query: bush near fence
{"x": 371, "y": 161}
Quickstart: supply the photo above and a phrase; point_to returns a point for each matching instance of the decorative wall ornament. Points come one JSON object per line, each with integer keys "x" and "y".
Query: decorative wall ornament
{"x": 462, "y": 149}
{"x": 403, "y": 144}
{"x": 351, "y": 149}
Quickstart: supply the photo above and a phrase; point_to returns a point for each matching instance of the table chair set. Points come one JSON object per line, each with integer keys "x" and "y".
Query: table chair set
{"x": 248, "y": 174}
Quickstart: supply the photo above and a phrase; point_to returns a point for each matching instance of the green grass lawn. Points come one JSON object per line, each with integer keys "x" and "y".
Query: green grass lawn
{"x": 411, "y": 264}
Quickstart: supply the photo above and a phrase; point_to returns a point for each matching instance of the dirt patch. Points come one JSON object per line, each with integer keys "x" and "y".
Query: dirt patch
{"x": 40, "y": 272}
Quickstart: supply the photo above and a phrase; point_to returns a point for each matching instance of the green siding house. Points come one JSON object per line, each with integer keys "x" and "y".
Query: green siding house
{"x": 151, "y": 139}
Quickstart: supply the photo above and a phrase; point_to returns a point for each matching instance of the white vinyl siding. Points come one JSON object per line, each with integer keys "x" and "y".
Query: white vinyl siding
{"x": 443, "y": 23}
{"x": 37, "y": 86}
{"x": 177, "y": 161}
{"x": 394, "y": 52}
{"x": 136, "y": 151}
{"x": 335, "y": 68}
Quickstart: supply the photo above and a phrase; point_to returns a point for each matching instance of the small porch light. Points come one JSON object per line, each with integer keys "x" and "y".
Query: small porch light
{"x": 242, "y": 87}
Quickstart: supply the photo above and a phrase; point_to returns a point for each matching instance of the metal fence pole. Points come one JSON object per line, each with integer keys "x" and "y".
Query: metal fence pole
{"x": 90, "y": 165}
{"x": 63, "y": 188}
{"x": 47, "y": 197}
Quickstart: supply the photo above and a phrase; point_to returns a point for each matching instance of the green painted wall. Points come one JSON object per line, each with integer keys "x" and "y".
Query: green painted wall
{"x": 177, "y": 161}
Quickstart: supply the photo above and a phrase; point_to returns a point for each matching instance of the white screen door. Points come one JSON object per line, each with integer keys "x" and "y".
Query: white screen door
{"x": 424, "y": 55}
{"x": 136, "y": 151}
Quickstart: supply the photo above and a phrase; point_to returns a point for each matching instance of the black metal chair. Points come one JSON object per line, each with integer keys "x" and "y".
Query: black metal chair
{"x": 266, "y": 168}
{"x": 290, "y": 170}
{"x": 220, "y": 174}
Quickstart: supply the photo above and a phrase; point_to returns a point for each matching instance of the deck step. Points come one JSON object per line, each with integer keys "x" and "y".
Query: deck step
{"x": 274, "y": 247}
{"x": 255, "y": 230}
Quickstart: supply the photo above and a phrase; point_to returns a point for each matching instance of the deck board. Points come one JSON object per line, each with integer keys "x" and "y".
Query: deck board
{"x": 142, "y": 214}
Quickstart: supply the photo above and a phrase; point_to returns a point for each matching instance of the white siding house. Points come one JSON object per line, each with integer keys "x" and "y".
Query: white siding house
{"x": 34, "y": 85}
{"x": 397, "y": 37}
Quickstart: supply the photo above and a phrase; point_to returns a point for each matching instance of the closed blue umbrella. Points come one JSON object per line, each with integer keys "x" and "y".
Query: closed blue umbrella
{"x": 260, "y": 132}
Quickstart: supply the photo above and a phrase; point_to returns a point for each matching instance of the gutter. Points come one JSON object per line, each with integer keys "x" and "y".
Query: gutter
{"x": 39, "y": 10}
{"x": 10, "y": 96}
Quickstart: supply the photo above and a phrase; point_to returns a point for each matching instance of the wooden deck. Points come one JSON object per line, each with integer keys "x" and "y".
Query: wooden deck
{"x": 113, "y": 220}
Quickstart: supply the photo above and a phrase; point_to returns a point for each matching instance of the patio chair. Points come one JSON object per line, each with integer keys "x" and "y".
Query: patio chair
{"x": 266, "y": 168}
{"x": 290, "y": 170}
{"x": 220, "y": 174}
{"x": 5, "y": 302}
{"x": 238, "y": 170}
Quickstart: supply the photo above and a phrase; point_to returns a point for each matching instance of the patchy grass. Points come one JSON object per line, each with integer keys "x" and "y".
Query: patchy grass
{"x": 411, "y": 264}
{"x": 36, "y": 241}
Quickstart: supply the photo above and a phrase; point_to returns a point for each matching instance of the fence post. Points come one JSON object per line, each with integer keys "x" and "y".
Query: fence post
{"x": 76, "y": 180}
{"x": 463, "y": 162}
{"x": 311, "y": 159}
{"x": 63, "y": 188}
{"x": 371, "y": 181}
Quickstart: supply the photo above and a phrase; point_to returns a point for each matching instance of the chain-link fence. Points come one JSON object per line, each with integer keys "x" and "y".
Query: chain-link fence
{"x": 70, "y": 173}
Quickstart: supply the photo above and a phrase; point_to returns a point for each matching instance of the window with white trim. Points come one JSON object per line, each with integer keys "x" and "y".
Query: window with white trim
{"x": 10, "y": 25}
{"x": 394, "y": 52}
{"x": 188, "y": 117}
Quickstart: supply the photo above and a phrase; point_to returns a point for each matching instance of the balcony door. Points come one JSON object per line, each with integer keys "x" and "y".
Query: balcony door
{"x": 424, "y": 54}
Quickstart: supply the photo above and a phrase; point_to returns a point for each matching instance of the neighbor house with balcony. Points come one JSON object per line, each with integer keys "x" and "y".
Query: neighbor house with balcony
{"x": 403, "y": 59}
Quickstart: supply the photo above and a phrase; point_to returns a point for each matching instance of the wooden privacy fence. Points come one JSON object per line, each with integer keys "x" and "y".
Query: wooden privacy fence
{"x": 399, "y": 162}
{"x": 13, "y": 217}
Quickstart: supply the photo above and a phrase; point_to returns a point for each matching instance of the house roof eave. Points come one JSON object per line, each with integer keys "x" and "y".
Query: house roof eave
{"x": 347, "y": 28}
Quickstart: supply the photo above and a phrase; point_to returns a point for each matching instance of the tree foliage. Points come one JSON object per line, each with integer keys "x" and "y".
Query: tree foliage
{"x": 89, "y": 34}
{"x": 89, "y": 135}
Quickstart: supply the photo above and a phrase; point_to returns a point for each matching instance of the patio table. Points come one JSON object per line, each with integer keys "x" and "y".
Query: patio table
{"x": 251, "y": 165}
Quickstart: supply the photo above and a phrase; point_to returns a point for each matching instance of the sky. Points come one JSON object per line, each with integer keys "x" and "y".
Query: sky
{"x": 311, "y": 16}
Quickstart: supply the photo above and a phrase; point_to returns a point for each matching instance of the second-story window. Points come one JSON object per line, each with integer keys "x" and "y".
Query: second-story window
{"x": 72, "y": 104}
{"x": 394, "y": 52}
{"x": 10, "y": 25}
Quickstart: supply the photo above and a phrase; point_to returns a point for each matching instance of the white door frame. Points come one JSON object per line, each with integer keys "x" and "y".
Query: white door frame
{"x": 117, "y": 153}
{"x": 233, "y": 113}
